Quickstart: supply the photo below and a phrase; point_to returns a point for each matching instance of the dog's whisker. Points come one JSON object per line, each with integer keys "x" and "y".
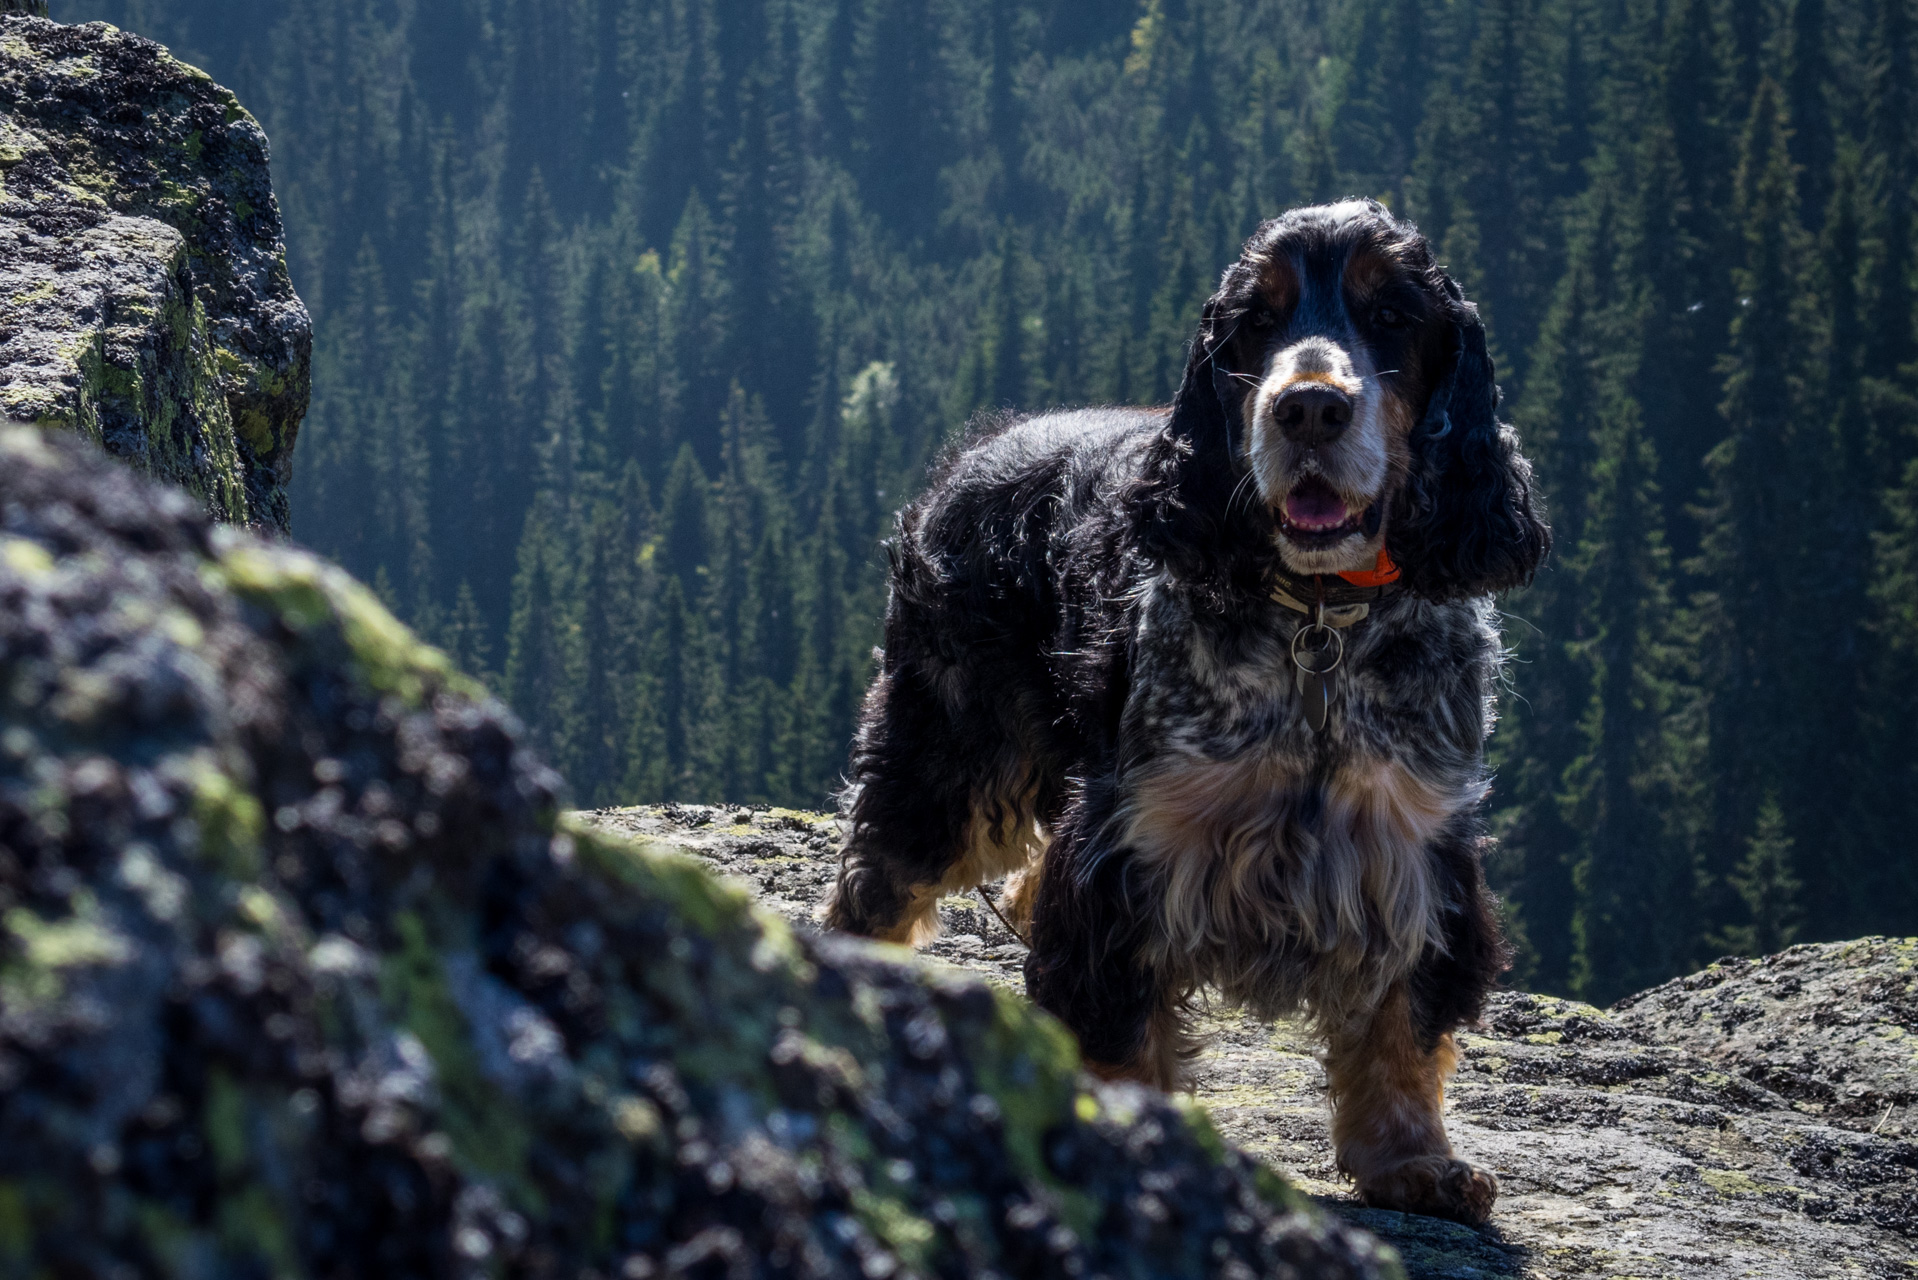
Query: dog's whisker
{"x": 1248, "y": 479}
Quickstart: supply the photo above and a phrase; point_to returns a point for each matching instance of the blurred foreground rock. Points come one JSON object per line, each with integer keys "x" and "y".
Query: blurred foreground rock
{"x": 1753, "y": 1120}
{"x": 144, "y": 295}
{"x": 300, "y": 976}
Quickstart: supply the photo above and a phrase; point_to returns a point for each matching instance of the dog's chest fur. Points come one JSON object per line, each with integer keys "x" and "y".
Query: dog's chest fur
{"x": 1291, "y": 865}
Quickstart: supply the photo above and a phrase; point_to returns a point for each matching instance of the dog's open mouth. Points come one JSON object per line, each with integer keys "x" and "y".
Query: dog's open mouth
{"x": 1314, "y": 512}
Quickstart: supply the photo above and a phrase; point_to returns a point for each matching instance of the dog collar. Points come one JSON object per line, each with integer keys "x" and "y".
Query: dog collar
{"x": 1330, "y": 603}
{"x": 1345, "y": 598}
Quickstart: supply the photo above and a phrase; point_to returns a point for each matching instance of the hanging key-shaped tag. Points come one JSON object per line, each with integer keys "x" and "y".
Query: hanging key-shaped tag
{"x": 1317, "y": 652}
{"x": 1316, "y": 690}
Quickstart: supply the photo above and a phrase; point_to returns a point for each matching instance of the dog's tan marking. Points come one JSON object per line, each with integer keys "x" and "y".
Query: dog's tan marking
{"x": 1369, "y": 269}
{"x": 1279, "y": 285}
{"x": 1388, "y": 1131}
{"x": 1324, "y": 377}
{"x": 1022, "y": 892}
{"x": 1001, "y": 839}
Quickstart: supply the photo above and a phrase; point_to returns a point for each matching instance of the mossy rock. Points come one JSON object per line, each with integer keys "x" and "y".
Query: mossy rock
{"x": 301, "y": 974}
{"x": 144, "y": 296}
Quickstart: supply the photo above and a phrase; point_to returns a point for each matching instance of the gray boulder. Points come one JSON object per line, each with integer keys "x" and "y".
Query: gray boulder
{"x": 144, "y": 295}
{"x": 301, "y": 974}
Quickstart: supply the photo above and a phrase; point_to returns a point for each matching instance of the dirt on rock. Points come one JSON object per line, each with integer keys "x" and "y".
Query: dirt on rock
{"x": 1751, "y": 1120}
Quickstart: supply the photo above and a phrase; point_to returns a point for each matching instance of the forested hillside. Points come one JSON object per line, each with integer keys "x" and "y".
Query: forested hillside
{"x": 637, "y": 318}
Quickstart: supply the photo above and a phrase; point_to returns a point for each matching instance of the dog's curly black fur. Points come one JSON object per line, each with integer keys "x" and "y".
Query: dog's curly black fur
{"x": 1087, "y": 684}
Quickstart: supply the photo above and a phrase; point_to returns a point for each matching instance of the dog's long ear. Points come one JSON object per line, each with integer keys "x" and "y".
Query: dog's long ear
{"x": 1182, "y": 511}
{"x": 1203, "y": 411}
{"x": 1467, "y": 521}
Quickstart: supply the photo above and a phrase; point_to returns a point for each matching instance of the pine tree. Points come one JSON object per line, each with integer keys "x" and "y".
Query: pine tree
{"x": 1755, "y": 545}
{"x": 901, "y": 109}
{"x": 544, "y": 663}
{"x": 1768, "y": 885}
{"x": 1625, "y": 795}
{"x": 544, "y": 288}
{"x": 1507, "y": 150}
{"x": 684, "y": 143}
{"x": 1387, "y": 66}
{"x": 685, "y": 519}
{"x": 1695, "y": 85}
{"x": 1013, "y": 336}
{"x": 1891, "y": 342}
{"x": 349, "y": 437}
{"x": 696, "y": 326}
{"x": 1814, "y": 145}
{"x": 1539, "y": 737}
{"x": 768, "y": 325}
{"x": 614, "y": 590}
{"x": 464, "y": 637}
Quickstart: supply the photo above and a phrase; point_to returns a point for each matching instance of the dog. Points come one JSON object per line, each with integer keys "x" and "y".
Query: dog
{"x": 1211, "y": 685}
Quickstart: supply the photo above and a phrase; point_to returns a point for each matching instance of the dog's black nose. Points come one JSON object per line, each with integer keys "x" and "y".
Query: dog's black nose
{"x": 1312, "y": 413}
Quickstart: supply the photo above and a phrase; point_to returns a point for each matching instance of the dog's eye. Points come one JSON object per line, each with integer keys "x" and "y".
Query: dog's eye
{"x": 1390, "y": 318}
{"x": 1261, "y": 318}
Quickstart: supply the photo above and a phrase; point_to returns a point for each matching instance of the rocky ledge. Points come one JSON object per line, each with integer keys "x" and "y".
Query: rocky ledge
{"x": 301, "y": 974}
{"x": 144, "y": 295}
{"x": 1751, "y": 1120}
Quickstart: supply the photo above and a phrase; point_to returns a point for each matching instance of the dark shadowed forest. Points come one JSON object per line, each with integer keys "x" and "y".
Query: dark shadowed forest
{"x": 638, "y": 318}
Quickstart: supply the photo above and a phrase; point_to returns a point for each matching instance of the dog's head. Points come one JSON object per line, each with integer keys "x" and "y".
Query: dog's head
{"x": 1340, "y": 391}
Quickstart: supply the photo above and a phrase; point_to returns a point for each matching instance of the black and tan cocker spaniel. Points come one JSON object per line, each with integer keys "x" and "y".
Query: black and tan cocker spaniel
{"x": 1212, "y": 684}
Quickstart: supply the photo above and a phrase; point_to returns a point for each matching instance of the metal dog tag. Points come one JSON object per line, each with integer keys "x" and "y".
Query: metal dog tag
{"x": 1316, "y": 690}
{"x": 1316, "y": 663}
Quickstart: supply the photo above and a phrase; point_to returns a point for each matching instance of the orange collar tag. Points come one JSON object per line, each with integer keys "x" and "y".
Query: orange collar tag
{"x": 1377, "y": 576}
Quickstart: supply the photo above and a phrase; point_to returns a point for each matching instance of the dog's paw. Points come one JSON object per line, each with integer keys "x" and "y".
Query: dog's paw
{"x": 1437, "y": 1186}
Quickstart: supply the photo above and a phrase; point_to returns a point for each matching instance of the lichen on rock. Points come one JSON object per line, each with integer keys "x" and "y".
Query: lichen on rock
{"x": 301, "y": 973}
{"x": 144, "y": 296}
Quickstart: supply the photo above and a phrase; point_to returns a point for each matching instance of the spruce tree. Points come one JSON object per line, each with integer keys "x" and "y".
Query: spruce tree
{"x": 1892, "y": 97}
{"x": 1768, "y": 886}
{"x": 685, "y": 520}
{"x": 543, "y": 658}
{"x": 1625, "y": 795}
{"x": 1755, "y": 556}
{"x": 1814, "y": 144}
{"x": 697, "y": 331}
{"x": 1696, "y": 85}
{"x": 614, "y": 590}
{"x": 1539, "y": 735}
{"x": 1508, "y": 147}
{"x": 465, "y": 637}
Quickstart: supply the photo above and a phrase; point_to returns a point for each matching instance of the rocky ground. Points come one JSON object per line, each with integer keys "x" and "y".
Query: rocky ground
{"x": 1753, "y": 1120}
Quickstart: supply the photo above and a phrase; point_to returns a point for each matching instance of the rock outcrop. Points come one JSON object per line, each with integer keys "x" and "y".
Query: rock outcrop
{"x": 300, "y": 974}
{"x": 144, "y": 295}
{"x": 1751, "y": 1120}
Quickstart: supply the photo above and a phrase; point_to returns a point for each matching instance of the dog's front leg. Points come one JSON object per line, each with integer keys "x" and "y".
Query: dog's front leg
{"x": 1091, "y": 921}
{"x": 1387, "y": 1090}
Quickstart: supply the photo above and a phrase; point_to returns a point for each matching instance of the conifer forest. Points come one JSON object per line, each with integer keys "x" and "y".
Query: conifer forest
{"x": 638, "y": 319}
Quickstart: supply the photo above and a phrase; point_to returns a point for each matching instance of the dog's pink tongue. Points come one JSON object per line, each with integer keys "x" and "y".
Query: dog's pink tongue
{"x": 1313, "y": 505}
